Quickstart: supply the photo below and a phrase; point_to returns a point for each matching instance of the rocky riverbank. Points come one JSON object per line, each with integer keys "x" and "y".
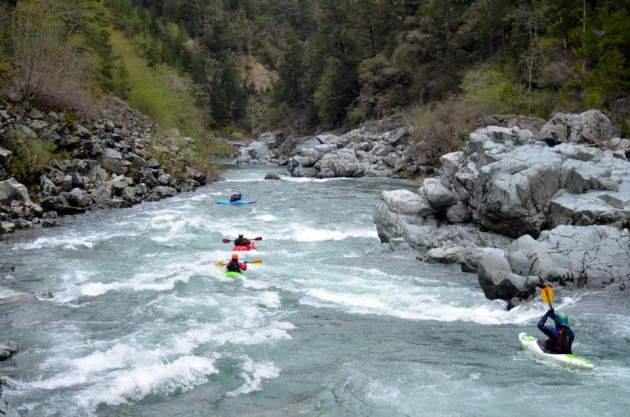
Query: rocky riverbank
{"x": 75, "y": 164}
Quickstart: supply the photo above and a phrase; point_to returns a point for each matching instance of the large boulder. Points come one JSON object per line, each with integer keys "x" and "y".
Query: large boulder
{"x": 11, "y": 190}
{"x": 255, "y": 153}
{"x": 574, "y": 256}
{"x": 340, "y": 163}
{"x": 590, "y": 127}
{"x": 498, "y": 281}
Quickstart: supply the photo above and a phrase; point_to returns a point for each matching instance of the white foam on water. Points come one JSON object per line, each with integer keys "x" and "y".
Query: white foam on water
{"x": 162, "y": 378}
{"x": 269, "y": 299}
{"x": 6, "y": 292}
{"x": 302, "y": 233}
{"x": 161, "y": 278}
{"x": 69, "y": 243}
{"x": 266, "y": 218}
{"x": 254, "y": 373}
{"x": 373, "y": 292}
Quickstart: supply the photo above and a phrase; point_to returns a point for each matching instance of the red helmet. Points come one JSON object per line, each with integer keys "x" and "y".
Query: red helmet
{"x": 235, "y": 256}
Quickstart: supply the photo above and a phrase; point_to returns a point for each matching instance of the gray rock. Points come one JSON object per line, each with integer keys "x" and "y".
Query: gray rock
{"x": 11, "y": 190}
{"x": 7, "y": 349}
{"x": 7, "y": 410}
{"x": 590, "y": 127}
{"x": 272, "y": 176}
{"x": 5, "y": 156}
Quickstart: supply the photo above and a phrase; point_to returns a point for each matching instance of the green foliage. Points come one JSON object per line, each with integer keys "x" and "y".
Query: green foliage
{"x": 228, "y": 97}
{"x": 384, "y": 86}
{"x": 334, "y": 92}
{"x": 491, "y": 90}
{"x": 289, "y": 88}
{"x": 157, "y": 92}
{"x": 30, "y": 156}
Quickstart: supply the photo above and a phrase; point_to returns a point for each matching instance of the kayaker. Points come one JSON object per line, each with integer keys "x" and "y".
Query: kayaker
{"x": 561, "y": 337}
{"x": 235, "y": 266}
{"x": 236, "y": 197}
{"x": 241, "y": 240}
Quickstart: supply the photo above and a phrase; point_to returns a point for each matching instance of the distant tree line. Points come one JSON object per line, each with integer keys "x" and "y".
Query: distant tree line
{"x": 340, "y": 62}
{"x": 343, "y": 61}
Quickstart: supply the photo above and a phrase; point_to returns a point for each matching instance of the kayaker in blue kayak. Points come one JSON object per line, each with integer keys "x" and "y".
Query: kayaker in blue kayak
{"x": 236, "y": 197}
{"x": 561, "y": 337}
{"x": 235, "y": 266}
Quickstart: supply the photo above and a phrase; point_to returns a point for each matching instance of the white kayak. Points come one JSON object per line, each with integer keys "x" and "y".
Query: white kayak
{"x": 530, "y": 344}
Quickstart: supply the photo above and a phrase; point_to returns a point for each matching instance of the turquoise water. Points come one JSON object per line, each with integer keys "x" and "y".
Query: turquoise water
{"x": 144, "y": 323}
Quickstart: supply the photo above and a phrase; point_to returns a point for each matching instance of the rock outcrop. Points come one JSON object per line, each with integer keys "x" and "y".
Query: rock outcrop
{"x": 558, "y": 188}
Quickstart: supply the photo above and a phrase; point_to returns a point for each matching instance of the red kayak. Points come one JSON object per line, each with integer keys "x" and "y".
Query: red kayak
{"x": 251, "y": 246}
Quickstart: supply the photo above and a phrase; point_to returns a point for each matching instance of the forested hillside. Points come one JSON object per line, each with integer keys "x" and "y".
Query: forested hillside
{"x": 330, "y": 63}
{"x": 346, "y": 61}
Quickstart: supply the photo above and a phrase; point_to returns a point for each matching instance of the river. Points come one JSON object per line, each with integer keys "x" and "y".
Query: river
{"x": 144, "y": 323}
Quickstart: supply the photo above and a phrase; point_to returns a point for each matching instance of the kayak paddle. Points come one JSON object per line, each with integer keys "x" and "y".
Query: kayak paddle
{"x": 231, "y": 240}
{"x": 547, "y": 295}
{"x": 253, "y": 261}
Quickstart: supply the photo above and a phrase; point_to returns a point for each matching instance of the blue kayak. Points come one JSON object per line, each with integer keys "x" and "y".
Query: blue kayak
{"x": 238, "y": 203}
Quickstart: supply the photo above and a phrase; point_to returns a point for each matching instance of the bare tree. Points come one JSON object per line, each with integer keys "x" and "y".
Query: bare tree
{"x": 48, "y": 65}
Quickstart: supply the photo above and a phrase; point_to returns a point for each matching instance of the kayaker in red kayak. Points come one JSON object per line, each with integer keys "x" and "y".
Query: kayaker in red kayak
{"x": 241, "y": 240}
{"x": 242, "y": 243}
{"x": 234, "y": 265}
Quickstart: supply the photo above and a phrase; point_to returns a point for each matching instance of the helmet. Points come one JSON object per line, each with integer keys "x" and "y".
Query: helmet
{"x": 562, "y": 319}
{"x": 240, "y": 235}
{"x": 235, "y": 256}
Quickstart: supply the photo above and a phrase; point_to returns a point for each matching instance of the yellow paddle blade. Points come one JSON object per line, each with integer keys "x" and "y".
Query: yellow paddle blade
{"x": 547, "y": 295}
{"x": 253, "y": 261}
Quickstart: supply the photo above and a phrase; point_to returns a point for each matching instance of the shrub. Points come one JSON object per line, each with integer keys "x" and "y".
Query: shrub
{"x": 441, "y": 128}
{"x": 30, "y": 156}
{"x": 175, "y": 153}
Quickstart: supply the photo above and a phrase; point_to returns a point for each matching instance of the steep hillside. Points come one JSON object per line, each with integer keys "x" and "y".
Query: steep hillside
{"x": 342, "y": 62}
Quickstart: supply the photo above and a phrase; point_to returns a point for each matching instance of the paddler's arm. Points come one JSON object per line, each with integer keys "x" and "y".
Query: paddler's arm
{"x": 541, "y": 323}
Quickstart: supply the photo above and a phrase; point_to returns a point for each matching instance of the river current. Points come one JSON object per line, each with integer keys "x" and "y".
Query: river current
{"x": 144, "y": 323}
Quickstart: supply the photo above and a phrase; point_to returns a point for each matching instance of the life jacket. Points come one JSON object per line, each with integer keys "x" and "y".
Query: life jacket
{"x": 233, "y": 266}
{"x": 239, "y": 241}
{"x": 562, "y": 344}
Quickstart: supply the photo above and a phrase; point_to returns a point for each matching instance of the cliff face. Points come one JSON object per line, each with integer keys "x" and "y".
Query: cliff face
{"x": 53, "y": 164}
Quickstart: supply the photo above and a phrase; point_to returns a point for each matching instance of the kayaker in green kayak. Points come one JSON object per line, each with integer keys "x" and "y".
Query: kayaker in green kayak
{"x": 561, "y": 337}
{"x": 235, "y": 266}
